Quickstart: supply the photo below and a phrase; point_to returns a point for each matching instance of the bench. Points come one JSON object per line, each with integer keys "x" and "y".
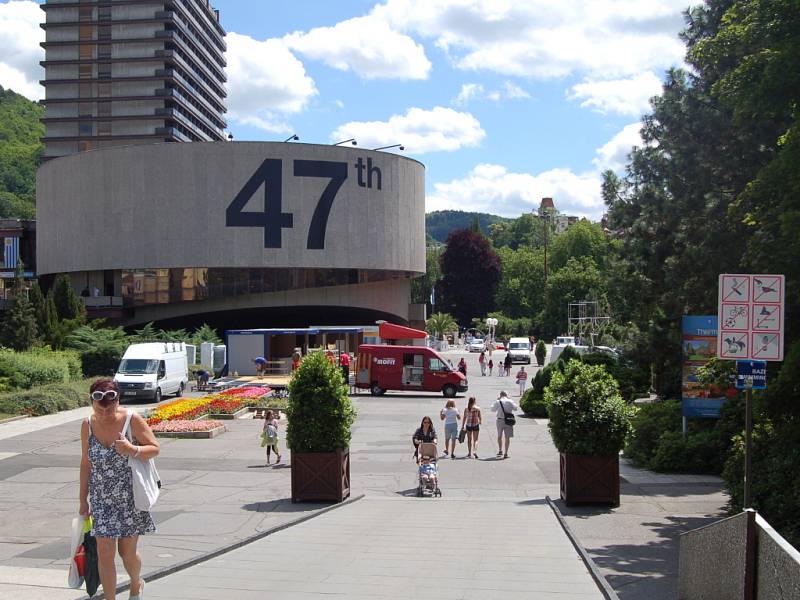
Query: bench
{"x": 261, "y": 412}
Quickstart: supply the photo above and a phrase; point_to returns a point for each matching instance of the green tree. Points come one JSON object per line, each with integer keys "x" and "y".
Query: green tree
{"x": 422, "y": 287}
{"x": 470, "y": 274}
{"x": 68, "y": 306}
{"x": 101, "y": 348}
{"x": 579, "y": 280}
{"x": 204, "y": 333}
{"x": 20, "y": 154}
{"x": 520, "y": 291}
{"x": 19, "y": 330}
{"x": 440, "y": 324}
{"x": 581, "y": 239}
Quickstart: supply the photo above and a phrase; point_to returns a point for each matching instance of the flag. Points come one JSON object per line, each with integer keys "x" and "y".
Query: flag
{"x": 11, "y": 254}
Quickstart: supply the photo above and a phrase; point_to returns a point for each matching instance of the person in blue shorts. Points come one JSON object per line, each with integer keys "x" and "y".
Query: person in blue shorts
{"x": 261, "y": 365}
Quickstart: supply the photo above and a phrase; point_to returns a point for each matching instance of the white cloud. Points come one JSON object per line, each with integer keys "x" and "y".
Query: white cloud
{"x": 467, "y": 93}
{"x": 20, "y": 52}
{"x": 476, "y": 91}
{"x": 418, "y": 130}
{"x": 265, "y": 82}
{"x": 629, "y": 96}
{"x": 365, "y": 45}
{"x": 494, "y": 189}
{"x": 542, "y": 39}
{"x": 614, "y": 154}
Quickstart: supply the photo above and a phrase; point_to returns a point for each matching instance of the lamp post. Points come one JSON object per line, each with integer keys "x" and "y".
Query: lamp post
{"x": 392, "y": 146}
{"x": 491, "y": 323}
{"x": 292, "y": 138}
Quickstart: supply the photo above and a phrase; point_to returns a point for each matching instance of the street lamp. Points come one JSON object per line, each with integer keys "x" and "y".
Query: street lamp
{"x": 351, "y": 140}
{"x": 230, "y": 137}
{"x": 491, "y": 323}
{"x": 292, "y": 138}
{"x": 392, "y": 146}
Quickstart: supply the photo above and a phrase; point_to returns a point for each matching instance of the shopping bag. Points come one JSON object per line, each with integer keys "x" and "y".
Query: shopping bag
{"x": 462, "y": 435}
{"x": 263, "y": 438}
{"x": 92, "y": 574}
{"x": 76, "y": 575}
{"x": 146, "y": 482}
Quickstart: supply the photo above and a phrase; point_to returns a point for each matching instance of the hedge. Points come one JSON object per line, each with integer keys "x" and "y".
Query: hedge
{"x": 46, "y": 399}
{"x": 24, "y": 370}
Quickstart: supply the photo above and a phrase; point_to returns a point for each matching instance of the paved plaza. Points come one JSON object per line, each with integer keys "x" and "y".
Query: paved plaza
{"x": 491, "y": 534}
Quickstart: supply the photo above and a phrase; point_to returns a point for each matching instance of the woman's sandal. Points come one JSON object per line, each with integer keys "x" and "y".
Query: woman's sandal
{"x": 140, "y": 595}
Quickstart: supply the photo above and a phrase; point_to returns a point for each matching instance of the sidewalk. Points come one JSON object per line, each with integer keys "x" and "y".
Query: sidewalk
{"x": 218, "y": 492}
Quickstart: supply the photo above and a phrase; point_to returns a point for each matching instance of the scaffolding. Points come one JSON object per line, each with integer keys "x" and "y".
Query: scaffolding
{"x": 585, "y": 321}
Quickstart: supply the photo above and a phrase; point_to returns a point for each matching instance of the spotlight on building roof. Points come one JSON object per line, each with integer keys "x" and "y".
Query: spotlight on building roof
{"x": 351, "y": 140}
{"x": 392, "y": 146}
{"x": 230, "y": 137}
{"x": 292, "y": 138}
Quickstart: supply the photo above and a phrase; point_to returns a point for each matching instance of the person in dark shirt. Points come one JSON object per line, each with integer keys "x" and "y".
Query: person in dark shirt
{"x": 425, "y": 433}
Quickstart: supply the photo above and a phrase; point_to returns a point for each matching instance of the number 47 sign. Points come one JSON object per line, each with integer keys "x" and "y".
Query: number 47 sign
{"x": 750, "y": 311}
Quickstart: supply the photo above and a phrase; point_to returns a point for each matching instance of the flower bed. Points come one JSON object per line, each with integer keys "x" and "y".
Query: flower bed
{"x": 227, "y": 402}
{"x": 188, "y": 429}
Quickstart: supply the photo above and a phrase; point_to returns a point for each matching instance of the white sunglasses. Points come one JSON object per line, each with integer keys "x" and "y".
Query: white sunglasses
{"x": 100, "y": 396}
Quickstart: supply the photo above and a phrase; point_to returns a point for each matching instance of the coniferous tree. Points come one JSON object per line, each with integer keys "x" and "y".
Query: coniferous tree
{"x": 19, "y": 329}
{"x": 68, "y": 306}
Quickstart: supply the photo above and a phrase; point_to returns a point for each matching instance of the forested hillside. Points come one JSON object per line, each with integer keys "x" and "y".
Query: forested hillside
{"x": 20, "y": 154}
{"x": 440, "y": 223}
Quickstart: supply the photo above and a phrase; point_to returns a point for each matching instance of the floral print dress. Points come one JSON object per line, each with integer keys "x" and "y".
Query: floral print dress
{"x": 111, "y": 494}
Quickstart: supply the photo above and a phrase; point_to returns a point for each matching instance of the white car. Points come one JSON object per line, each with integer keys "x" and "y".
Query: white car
{"x": 477, "y": 345}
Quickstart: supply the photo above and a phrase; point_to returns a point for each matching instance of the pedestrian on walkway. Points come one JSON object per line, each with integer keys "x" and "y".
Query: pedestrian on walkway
{"x": 522, "y": 380}
{"x": 504, "y": 406}
{"x": 507, "y": 364}
{"x": 482, "y": 363}
{"x": 106, "y": 487}
{"x": 261, "y": 366}
{"x": 425, "y": 433}
{"x": 269, "y": 436}
{"x": 491, "y": 366}
{"x": 472, "y": 425}
{"x": 344, "y": 363}
{"x": 449, "y": 414}
{"x": 462, "y": 366}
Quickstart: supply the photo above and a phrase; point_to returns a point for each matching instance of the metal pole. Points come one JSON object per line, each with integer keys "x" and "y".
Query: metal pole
{"x": 685, "y": 427}
{"x": 748, "y": 443}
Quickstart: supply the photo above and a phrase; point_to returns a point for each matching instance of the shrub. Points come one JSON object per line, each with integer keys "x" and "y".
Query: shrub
{"x": 633, "y": 381}
{"x": 650, "y": 421}
{"x": 320, "y": 412}
{"x": 698, "y": 452}
{"x": 587, "y": 414}
{"x": 533, "y": 404}
{"x": 540, "y": 352}
{"x": 47, "y": 399}
{"x": 24, "y": 370}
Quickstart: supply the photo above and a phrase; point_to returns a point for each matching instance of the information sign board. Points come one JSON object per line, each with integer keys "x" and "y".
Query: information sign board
{"x": 756, "y": 370}
{"x": 699, "y": 345}
{"x": 750, "y": 313}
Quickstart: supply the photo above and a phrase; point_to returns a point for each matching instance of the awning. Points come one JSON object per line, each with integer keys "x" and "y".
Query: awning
{"x": 388, "y": 331}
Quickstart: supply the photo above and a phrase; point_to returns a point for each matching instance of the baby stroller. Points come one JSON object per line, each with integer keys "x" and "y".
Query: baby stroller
{"x": 428, "y": 471}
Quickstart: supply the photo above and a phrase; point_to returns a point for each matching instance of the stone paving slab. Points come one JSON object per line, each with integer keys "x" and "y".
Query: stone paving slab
{"x": 389, "y": 548}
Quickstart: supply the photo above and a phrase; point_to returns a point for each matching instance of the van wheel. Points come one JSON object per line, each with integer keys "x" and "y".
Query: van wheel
{"x": 376, "y": 390}
{"x": 449, "y": 391}
{"x": 157, "y": 396}
{"x": 179, "y": 393}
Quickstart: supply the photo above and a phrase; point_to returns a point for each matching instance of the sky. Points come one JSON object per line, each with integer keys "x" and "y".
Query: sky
{"x": 504, "y": 101}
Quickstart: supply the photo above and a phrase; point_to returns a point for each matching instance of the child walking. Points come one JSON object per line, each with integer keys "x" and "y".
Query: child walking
{"x": 269, "y": 436}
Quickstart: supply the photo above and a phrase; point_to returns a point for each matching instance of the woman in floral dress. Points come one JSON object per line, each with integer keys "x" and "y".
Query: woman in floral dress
{"x": 106, "y": 488}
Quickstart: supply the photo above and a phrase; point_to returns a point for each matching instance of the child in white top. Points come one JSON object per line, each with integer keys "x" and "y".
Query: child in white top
{"x": 269, "y": 436}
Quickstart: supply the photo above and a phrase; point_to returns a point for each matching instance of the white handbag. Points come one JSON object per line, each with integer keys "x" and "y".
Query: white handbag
{"x": 74, "y": 579}
{"x": 146, "y": 482}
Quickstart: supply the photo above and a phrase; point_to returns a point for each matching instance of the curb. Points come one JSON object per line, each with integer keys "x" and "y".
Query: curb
{"x": 164, "y": 572}
{"x": 605, "y": 587}
{"x": 12, "y": 419}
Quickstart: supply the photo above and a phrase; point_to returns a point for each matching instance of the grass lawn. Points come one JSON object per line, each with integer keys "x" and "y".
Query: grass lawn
{"x": 4, "y": 416}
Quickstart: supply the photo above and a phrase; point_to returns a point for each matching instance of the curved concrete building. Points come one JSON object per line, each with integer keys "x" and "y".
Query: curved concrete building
{"x": 238, "y": 233}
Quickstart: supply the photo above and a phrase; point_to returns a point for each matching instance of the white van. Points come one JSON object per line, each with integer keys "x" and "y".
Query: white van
{"x": 520, "y": 350}
{"x": 153, "y": 370}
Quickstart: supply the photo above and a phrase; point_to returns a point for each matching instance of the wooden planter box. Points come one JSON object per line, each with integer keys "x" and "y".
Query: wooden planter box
{"x": 321, "y": 476}
{"x": 589, "y": 479}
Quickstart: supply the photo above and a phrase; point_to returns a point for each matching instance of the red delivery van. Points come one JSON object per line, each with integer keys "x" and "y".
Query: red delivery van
{"x": 408, "y": 368}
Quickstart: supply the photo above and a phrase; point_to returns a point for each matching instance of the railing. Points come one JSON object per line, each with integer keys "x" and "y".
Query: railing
{"x": 738, "y": 557}
{"x": 101, "y": 301}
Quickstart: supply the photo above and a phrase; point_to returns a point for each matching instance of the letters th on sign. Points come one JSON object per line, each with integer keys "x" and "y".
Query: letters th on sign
{"x": 274, "y": 220}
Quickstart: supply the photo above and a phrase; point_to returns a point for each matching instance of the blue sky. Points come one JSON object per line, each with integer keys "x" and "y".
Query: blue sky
{"x": 504, "y": 101}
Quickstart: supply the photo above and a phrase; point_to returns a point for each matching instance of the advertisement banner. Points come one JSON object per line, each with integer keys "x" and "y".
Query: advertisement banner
{"x": 699, "y": 346}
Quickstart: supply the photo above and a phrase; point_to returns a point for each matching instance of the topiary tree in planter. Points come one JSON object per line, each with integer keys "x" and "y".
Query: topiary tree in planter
{"x": 320, "y": 416}
{"x": 589, "y": 422}
{"x": 540, "y": 352}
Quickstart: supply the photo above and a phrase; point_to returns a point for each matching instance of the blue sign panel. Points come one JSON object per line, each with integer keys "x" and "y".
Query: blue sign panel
{"x": 755, "y": 369}
{"x": 699, "y": 345}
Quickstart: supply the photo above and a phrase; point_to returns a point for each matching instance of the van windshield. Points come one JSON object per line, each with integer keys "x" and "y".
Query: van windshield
{"x": 518, "y": 346}
{"x": 138, "y": 366}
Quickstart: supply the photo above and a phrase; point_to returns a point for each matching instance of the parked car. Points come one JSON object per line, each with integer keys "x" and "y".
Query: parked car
{"x": 477, "y": 345}
{"x": 152, "y": 370}
{"x": 498, "y": 345}
{"x": 520, "y": 350}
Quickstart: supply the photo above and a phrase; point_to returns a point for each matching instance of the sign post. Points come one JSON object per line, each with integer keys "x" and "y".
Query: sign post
{"x": 750, "y": 311}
